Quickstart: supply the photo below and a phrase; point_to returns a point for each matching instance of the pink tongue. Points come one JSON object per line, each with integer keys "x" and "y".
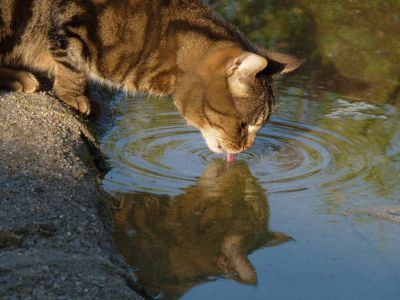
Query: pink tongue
{"x": 230, "y": 157}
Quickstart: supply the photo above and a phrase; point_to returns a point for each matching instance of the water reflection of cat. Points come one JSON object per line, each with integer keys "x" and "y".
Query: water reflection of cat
{"x": 208, "y": 231}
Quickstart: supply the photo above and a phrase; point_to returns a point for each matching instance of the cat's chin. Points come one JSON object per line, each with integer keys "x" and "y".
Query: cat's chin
{"x": 212, "y": 142}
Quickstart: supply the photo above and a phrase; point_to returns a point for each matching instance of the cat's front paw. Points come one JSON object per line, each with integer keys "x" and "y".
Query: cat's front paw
{"x": 28, "y": 81}
{"x": 83, "y": 105}
{"x": 80, "y": 103}
{"x": 18, "y": 81}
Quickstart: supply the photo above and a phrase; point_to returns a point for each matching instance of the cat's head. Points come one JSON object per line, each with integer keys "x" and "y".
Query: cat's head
{"x": 229, "y": 95}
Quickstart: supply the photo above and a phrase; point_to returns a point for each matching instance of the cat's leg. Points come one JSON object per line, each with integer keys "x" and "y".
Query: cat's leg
{"x": 70, "y": 87}
{"x": 18, "y": 81}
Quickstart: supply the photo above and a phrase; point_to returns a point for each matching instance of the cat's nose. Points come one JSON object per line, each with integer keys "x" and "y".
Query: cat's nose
{"x": 246, "y": 146}
{"x": 248, "y": 143}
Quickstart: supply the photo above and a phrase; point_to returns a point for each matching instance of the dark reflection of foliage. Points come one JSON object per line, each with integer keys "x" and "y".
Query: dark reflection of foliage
{"x": 279, "y": 25}
{"x": 383, "y": 158}
{"x": 178, "y": 242}
{"x": 351, "y": 47}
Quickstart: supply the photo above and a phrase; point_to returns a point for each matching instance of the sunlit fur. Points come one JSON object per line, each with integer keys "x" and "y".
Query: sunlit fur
{"x": 163, "y": 47}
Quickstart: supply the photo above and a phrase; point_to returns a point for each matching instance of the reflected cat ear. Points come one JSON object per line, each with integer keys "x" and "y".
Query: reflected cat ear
{"x": 277, "y": 238}
{"x": 280, "y": 63}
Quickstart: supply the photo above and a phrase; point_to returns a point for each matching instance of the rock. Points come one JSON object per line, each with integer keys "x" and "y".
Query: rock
{"x": 55, "y": 232}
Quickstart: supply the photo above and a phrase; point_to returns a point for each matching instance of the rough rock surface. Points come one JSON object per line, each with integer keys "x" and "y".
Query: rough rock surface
{"x": 55, "y": 234}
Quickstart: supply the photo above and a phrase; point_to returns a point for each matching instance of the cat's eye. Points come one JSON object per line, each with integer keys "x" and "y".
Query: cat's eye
{"x": 243, "y": 125}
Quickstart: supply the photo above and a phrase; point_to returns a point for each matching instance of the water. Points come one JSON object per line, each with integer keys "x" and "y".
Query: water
{"x": 312, "y": 210}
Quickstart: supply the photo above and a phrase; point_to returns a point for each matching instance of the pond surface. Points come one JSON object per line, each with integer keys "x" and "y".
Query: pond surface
{"x": 312, "y": 210}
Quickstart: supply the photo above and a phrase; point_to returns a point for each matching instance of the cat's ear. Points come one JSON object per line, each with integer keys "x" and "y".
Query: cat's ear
{"x": 281, "y": 63}
{"x": 242, "y": 69}
{"x": 246, "y": 65}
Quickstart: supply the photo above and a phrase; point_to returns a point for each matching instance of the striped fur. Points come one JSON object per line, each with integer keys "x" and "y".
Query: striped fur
{"x": 162, "y": 47}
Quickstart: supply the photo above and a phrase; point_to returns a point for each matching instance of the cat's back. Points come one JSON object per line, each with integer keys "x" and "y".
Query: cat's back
{"x": 24, "y": 30}
{"x": 17, "y": 17}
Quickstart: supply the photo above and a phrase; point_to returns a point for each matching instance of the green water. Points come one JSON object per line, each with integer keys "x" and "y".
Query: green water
{"x": 312, "y": 210}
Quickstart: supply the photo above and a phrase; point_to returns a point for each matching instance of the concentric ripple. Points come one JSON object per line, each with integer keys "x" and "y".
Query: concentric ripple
{"x": 152, "y": 150}
{"x": 302, "y": 156}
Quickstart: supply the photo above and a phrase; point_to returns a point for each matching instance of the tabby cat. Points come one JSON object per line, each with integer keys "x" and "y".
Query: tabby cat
{"x": 219, "y": 81}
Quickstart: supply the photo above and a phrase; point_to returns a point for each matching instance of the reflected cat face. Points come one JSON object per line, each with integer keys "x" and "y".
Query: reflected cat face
{"x": 230, "y": 96}
{"x": 209, "y": 230}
